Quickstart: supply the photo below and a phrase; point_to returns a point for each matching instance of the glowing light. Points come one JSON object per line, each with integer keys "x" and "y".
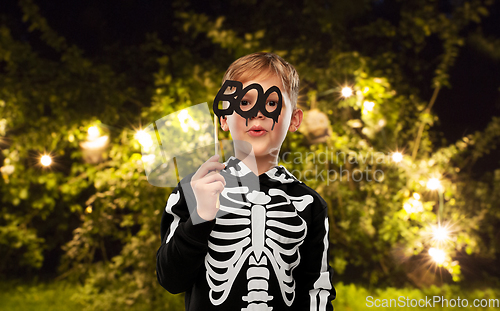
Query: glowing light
{"x": 88, "y": 209}
{"x": 355, "y": 123}
{"x": 346, "y": 92}
{"x": 93, "y": 149}
{"x": 144, "y": 139}
{"x": 3, "y": 126}
{"x": 408, "y": 208}
{"x": 413, "y": 206}
{"x": 368, "y": 105}
{"x": 397, "y": 157}
{"x": 440, "y": 234}
{"x": 7, "y": 169}
{"x": 437, "y": 255}
{"x": 434, "y": 184}
{"x": 416, "y": 196}
{"x": 98, "y": 143}
{"x": 93, "y": 132}
{"x": 46, "y": 160}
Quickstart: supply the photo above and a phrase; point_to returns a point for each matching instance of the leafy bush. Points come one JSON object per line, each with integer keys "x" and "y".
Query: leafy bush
{"x": 57, "y": 296}
{"x": 352, "y": 297}
{"x": 106, "y": 215}
{"x": 64, "y": 296}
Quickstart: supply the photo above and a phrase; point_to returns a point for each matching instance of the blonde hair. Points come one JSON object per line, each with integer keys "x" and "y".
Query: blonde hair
{"x": 263, "y": 65}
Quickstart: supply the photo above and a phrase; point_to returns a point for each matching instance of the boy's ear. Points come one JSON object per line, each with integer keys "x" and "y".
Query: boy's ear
{"x": 223, "y": 124}
{"x": 297, "y": 116}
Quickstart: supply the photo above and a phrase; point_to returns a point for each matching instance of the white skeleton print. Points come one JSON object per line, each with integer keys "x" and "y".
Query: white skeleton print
{"x": 258, "y": 242}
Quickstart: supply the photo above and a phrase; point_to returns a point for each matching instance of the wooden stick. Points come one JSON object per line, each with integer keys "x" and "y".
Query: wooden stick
{"x": 216, "y": 135}
{"x": 176, "y": 170}
{"x": 216, "y": 148}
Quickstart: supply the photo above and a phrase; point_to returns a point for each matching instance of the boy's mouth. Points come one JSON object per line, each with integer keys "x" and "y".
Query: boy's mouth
{"x": 256, "y": 131}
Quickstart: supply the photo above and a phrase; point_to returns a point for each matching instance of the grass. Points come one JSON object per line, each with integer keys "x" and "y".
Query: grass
{"x": 57, "y": 296}
{"x": 26, "y": 297}
{"x": 351, "y": 297}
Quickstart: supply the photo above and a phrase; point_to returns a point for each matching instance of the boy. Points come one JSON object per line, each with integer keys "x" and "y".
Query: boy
{"x": 266, "y": 246}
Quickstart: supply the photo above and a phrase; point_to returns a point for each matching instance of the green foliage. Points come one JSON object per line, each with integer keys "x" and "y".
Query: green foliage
{"x": 106, "y": 215}
{"x": 56, "y": 296}
{"x": 381, "y": 219}
{"x": 352, "y": 297}
{"x": 65, "y": 296}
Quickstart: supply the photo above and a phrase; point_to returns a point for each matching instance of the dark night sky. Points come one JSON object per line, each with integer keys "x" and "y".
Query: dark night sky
{"x": 464, "y": 109}
{"x": 475, "y": 94}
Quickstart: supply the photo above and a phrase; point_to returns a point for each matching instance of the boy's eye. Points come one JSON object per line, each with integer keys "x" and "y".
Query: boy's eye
{"x": 246, "y": 105}
{"x": 271, "y": 105}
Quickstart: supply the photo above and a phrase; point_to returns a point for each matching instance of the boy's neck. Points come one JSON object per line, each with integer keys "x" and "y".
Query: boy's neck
{"x": 260, "y": 164}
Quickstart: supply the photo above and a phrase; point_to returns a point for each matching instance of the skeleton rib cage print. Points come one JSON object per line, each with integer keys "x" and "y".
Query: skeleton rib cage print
{"x": 256, "y": 239}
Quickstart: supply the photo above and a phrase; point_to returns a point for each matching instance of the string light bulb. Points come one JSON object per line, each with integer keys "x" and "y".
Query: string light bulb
{"x": 434, "y": 184}
{"x": 397, "y": 157}
{"x": 144, "y": 139}
{"x": 93, "y": 132}
{"x": 46, "y": 160}
{"x": 438, "y": 255}
{"x": 346, "y": 92}
{"x": 440, "y": 233}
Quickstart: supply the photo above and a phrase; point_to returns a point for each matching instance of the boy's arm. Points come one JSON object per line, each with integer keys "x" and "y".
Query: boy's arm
{"x": 184, "y": 233}
{"x": 314, "y": 275}
{"x": 184, "y": 245}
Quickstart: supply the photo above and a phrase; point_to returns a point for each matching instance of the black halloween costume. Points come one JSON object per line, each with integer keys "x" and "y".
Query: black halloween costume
{"x": 267, "y": 249}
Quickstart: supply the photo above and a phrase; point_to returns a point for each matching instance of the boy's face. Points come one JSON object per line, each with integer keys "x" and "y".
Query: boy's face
{"x": 258, "y": 131}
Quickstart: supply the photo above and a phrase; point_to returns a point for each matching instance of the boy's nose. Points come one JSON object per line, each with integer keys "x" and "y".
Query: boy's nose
{"x": 259, "y": 115}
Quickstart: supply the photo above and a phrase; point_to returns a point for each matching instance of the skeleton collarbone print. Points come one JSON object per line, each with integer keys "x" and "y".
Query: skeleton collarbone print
{"x": 267, "y": 249}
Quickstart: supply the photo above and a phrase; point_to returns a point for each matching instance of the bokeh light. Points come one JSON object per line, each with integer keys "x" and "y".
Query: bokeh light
{"x": 93, "y": 132}
{"x": 434, "y": 184}
{"x": 397, "y": 157}
{"x": 368, "y": 106}
{"x": 46, "y": 160}
{"x": 144, "y": 139}
{"x": 440, "y": 233}
{"x": 346, "y": 92}
{"x": 437, "y": 255}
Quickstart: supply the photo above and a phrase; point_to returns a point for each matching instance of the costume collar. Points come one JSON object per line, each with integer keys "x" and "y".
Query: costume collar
{"x": 277, "y": 174}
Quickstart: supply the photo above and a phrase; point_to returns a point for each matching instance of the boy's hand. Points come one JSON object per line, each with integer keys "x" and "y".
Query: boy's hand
{"x": 207, "y": 183}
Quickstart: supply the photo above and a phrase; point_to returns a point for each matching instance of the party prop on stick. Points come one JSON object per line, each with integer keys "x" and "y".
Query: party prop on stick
{"x": 179, "y": 143}
{"x": 234, "y": 98}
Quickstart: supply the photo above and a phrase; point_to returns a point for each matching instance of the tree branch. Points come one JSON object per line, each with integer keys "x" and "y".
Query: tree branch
{"x": 422, "y": 125}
